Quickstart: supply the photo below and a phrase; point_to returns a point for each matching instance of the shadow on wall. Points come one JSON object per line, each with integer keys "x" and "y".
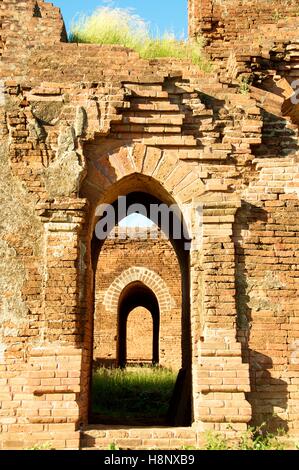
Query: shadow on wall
{"x": 267, "y": 393}
{"x": 279, "y": 138}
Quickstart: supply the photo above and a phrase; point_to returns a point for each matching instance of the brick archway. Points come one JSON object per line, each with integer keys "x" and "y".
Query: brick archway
{"x": 132, "y": 272}
{"x": 148, "y": 278}
{"x": 145, "y": 174}
{"x": 142, "y": 168}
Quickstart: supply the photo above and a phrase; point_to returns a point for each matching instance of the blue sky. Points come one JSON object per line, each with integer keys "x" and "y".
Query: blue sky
{"x": 170, "y": 15}
{"x": 136, "y": 220}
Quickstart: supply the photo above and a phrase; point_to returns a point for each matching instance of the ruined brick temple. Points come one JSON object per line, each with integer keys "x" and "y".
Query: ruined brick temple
{"x": 81, "y": 125}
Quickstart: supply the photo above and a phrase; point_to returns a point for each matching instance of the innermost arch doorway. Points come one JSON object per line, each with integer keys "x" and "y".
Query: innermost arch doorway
{"x": 139, "y": 323}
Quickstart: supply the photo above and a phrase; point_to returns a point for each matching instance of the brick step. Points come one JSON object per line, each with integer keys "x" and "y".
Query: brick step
{"x": 272, "y": 103}
{"x": 137, "y": 438}
{"x": 157, "y": 86}
{"x": 196, "y": 119}
{"x": 215, "y": 90}
{"x": 147, "y": 91}
{"x": 151, "y": 94}
{"x": 163, "y": 141}
{"x": 147, "y": 128}
{"x": 146, "y": 118}
{"x": 153, "y": 105}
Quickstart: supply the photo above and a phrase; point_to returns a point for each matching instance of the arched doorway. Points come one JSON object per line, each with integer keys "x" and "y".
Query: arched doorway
{"x": 136, "y": 339}
{"x": 138, "y": 286}
{"x": 140, "y": 324}
{"x": 181, "y": 245}
{"x": 146, "y": 174}
{"x": 147, "y": 167}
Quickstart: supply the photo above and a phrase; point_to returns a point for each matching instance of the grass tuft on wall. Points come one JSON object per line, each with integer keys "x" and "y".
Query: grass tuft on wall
{"x": 118, "y": 26}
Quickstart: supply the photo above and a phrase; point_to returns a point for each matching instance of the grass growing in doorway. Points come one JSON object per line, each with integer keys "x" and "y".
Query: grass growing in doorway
{"x": 136, "y": 395}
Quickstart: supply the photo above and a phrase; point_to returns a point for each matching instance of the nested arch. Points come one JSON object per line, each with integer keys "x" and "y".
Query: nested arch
{"x": 137, "y": 294}
{"x": 138, "y": 173}
{"x": 119, "y": 161}
{"x": 121, "y": 169}
{"x": 145, "y": 276}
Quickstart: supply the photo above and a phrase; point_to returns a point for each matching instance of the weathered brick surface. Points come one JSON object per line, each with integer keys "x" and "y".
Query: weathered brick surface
{"x": 252, "y": 36}
{"x": 100, "y": 437}
{"x": 267, "y": 291}
{"x": 83, "y": 124}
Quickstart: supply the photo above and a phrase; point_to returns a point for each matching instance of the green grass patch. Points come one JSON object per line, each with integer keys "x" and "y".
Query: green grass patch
{"x": 255, "y": 438}
{"x": 137, "y": 395}
{"x": 118, "y": 26}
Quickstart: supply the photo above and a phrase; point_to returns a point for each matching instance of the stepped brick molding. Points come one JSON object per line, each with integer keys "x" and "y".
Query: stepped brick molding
{"x": 147, "y": 277}
{"x": 81, "y": 125}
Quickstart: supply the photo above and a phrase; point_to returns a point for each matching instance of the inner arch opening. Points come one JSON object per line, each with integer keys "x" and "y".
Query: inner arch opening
{"x": 134, "y": 296}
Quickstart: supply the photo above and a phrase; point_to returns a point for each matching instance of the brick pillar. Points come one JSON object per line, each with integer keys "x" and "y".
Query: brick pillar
{"x": 55, "y": 394}
{"x": 221, "y": 379}
{"x": 63, "y": 225}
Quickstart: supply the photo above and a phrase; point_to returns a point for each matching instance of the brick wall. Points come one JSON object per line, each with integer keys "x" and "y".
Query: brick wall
{"x": 235, "y": 18}
{"x": 24, "y": 24}
{"x": 84, "y": 124}
{"x": 266, "y": 235}
{"x": 253, "y": 37}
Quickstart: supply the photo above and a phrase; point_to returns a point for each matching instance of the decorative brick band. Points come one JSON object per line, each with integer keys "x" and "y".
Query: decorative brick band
{"x": 147, "y": 277}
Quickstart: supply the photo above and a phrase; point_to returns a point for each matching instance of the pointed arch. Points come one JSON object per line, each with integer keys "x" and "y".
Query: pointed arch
{"x": 148, "y": 278}
{"x": 121, "y": 161}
